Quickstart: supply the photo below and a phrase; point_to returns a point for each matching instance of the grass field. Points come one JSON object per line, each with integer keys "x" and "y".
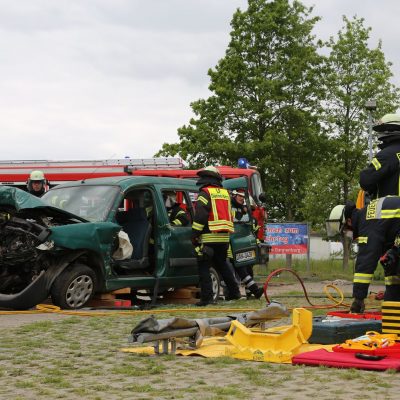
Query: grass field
{"x": 80, "y": 357}
{"x": 320, "y": 270}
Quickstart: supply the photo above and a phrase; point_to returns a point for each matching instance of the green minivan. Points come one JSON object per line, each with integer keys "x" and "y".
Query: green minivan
{"x": 66, "y": 244}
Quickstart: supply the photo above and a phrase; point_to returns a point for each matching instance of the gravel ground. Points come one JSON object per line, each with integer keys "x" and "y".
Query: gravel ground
{"x": 48, "y": 356}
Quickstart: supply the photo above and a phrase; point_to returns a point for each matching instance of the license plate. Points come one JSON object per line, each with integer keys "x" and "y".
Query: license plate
{"x": 245, "y": 256}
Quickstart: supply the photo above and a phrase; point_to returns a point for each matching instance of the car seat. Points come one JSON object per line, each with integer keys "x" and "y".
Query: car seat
{"x": 135, "y": 223}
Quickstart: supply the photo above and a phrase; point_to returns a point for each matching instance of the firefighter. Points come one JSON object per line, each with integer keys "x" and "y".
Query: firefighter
{"x": 36, "y": 183}
{"x": 240, "y": 213}
{"x": 176, "y": 214}
{"x": 211, "y": 228}
{"x": 377, "y": 229}
{"x": 381, "y": 177}
{"x": 239, "y": 208}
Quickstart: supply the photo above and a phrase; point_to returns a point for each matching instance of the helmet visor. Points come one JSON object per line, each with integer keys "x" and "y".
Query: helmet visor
{"x": 333, "y": 227}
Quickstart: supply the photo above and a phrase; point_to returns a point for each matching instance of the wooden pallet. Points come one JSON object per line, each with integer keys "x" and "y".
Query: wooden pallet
{"x": 107, "y": 299}
{"x": 186, "y": 295}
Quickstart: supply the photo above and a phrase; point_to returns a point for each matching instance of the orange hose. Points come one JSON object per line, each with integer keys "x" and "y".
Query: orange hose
{"x": 339, "y": 303}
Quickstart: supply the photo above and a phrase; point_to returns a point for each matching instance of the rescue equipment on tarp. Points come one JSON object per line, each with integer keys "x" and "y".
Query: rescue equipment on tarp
{"x": 165, "y": 332}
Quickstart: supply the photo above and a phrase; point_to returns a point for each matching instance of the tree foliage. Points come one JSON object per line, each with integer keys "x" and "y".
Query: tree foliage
{"x": 354, "y": 74}
{"x": 265, "y": 102}
{"x": 299, "y": 116}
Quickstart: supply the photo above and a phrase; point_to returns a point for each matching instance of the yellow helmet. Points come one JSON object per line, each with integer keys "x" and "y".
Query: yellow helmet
{"x": 37, "y": 176}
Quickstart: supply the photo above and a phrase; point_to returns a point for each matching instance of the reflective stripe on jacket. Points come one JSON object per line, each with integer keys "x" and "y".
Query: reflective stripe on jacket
{"x": 213, "y": 218}
{"x": 382, "y": 177}
{"x": 220, "y": 215}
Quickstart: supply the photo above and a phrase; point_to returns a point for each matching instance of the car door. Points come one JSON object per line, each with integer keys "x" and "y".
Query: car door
{"x": 243, "y": 241}
{"x": 179, "y": 253}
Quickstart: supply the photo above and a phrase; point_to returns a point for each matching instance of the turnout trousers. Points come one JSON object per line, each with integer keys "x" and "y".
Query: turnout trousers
{"x": 214, "y": 255}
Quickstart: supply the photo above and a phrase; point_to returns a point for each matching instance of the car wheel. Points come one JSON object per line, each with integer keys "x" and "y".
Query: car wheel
{"x": 74, "y": 287}
{"x": 216, "y": 283}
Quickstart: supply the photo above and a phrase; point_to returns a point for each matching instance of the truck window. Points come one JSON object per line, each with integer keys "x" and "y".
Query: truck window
{"x": 256, "y": 186}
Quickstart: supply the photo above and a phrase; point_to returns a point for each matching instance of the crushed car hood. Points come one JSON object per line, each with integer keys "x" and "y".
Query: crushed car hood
{"x": 25, "y": 204}
{"x": 28, "y": 221}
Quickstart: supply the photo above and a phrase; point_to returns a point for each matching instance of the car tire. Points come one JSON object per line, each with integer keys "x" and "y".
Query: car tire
{"x": 74, "y": 287}
{"x": 216, "y": 283}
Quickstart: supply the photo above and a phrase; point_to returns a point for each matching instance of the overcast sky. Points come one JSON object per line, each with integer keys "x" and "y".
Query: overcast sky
{"x": 101, "y": 79}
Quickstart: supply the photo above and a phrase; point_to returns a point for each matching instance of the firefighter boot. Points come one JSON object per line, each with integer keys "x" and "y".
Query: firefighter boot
{"x": 252, "y": 287}
{"x": 256, "y": 291}
{"x": 357, "y": 306}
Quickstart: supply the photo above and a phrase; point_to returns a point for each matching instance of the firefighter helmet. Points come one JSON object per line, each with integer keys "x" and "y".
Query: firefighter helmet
{"x": 210, "y": 171}
{"x": 37, "y": 176}
{"x": 338, "y": 217}
{"x": 388, "y": 126}
{"x": 34, "y": 178}
{"x": 335, "y": 223}
{"x": 239, "y": 192}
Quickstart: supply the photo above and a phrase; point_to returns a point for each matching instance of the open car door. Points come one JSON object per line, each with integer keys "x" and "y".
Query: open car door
{"x": 243, "y": 240}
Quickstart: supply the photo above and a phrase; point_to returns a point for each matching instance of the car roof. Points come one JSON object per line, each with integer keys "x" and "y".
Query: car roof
{"x": 127, "y": 181}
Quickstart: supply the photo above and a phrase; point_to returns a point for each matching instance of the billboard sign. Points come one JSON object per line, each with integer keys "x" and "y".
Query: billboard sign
{"x": 287, "y": 238}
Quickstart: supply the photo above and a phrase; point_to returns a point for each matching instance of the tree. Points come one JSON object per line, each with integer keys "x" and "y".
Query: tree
{"x": 355, "y": 73}
{"x": 265, "y": 102}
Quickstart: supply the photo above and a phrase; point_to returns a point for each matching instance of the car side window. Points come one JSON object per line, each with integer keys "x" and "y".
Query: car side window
{"x": 138, "y": 198}
{"x": 176, "y": 206}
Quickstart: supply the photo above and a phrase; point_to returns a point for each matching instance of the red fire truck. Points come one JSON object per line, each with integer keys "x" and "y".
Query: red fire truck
{"x": 16, "y": 173}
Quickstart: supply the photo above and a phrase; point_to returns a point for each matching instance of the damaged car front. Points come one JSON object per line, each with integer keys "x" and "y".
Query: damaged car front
{"x": 45, "y": 250}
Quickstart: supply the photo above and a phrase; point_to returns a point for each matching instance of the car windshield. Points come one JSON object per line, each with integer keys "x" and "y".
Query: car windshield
{"x": 256, "y": 185}
{"x": 89, "y": 202}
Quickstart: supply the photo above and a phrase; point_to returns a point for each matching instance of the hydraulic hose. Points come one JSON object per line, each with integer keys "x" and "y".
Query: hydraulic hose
{"x": 337, "y": 303}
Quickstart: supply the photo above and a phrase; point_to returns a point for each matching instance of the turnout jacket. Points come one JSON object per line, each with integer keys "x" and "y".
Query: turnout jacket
{"x": 381, "y": 177}
{"x": 239, "y": 211}
{"x": 213, "y": 217}
{"x": 177, "y": 215}
{"x": 376, "y": 227}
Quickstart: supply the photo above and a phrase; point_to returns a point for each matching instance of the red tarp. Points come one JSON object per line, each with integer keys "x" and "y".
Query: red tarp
{"x": 345, "y": 360}
{"x": 345, "y": 314}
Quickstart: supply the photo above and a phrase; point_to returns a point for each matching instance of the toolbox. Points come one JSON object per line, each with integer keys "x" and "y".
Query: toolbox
{"x": 333, "y": 330}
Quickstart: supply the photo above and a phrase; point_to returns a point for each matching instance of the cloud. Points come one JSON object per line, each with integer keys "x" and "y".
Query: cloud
{"x": 84, "y": 79}
{"x": 98, "y": 78}
{"x": 381, "y": 17}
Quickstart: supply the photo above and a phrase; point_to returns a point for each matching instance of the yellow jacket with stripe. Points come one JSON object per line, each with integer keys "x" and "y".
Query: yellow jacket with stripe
{"x": 376, "y": 228}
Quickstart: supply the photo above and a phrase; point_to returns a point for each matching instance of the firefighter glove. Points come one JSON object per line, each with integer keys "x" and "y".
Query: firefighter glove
{"x": 390, "y": 261}
{"x": 195, "y": 241}
{"x": 208, "y": 251}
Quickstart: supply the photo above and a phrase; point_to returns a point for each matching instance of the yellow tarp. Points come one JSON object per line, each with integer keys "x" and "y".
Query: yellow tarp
{"x": 219, "y": 347}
